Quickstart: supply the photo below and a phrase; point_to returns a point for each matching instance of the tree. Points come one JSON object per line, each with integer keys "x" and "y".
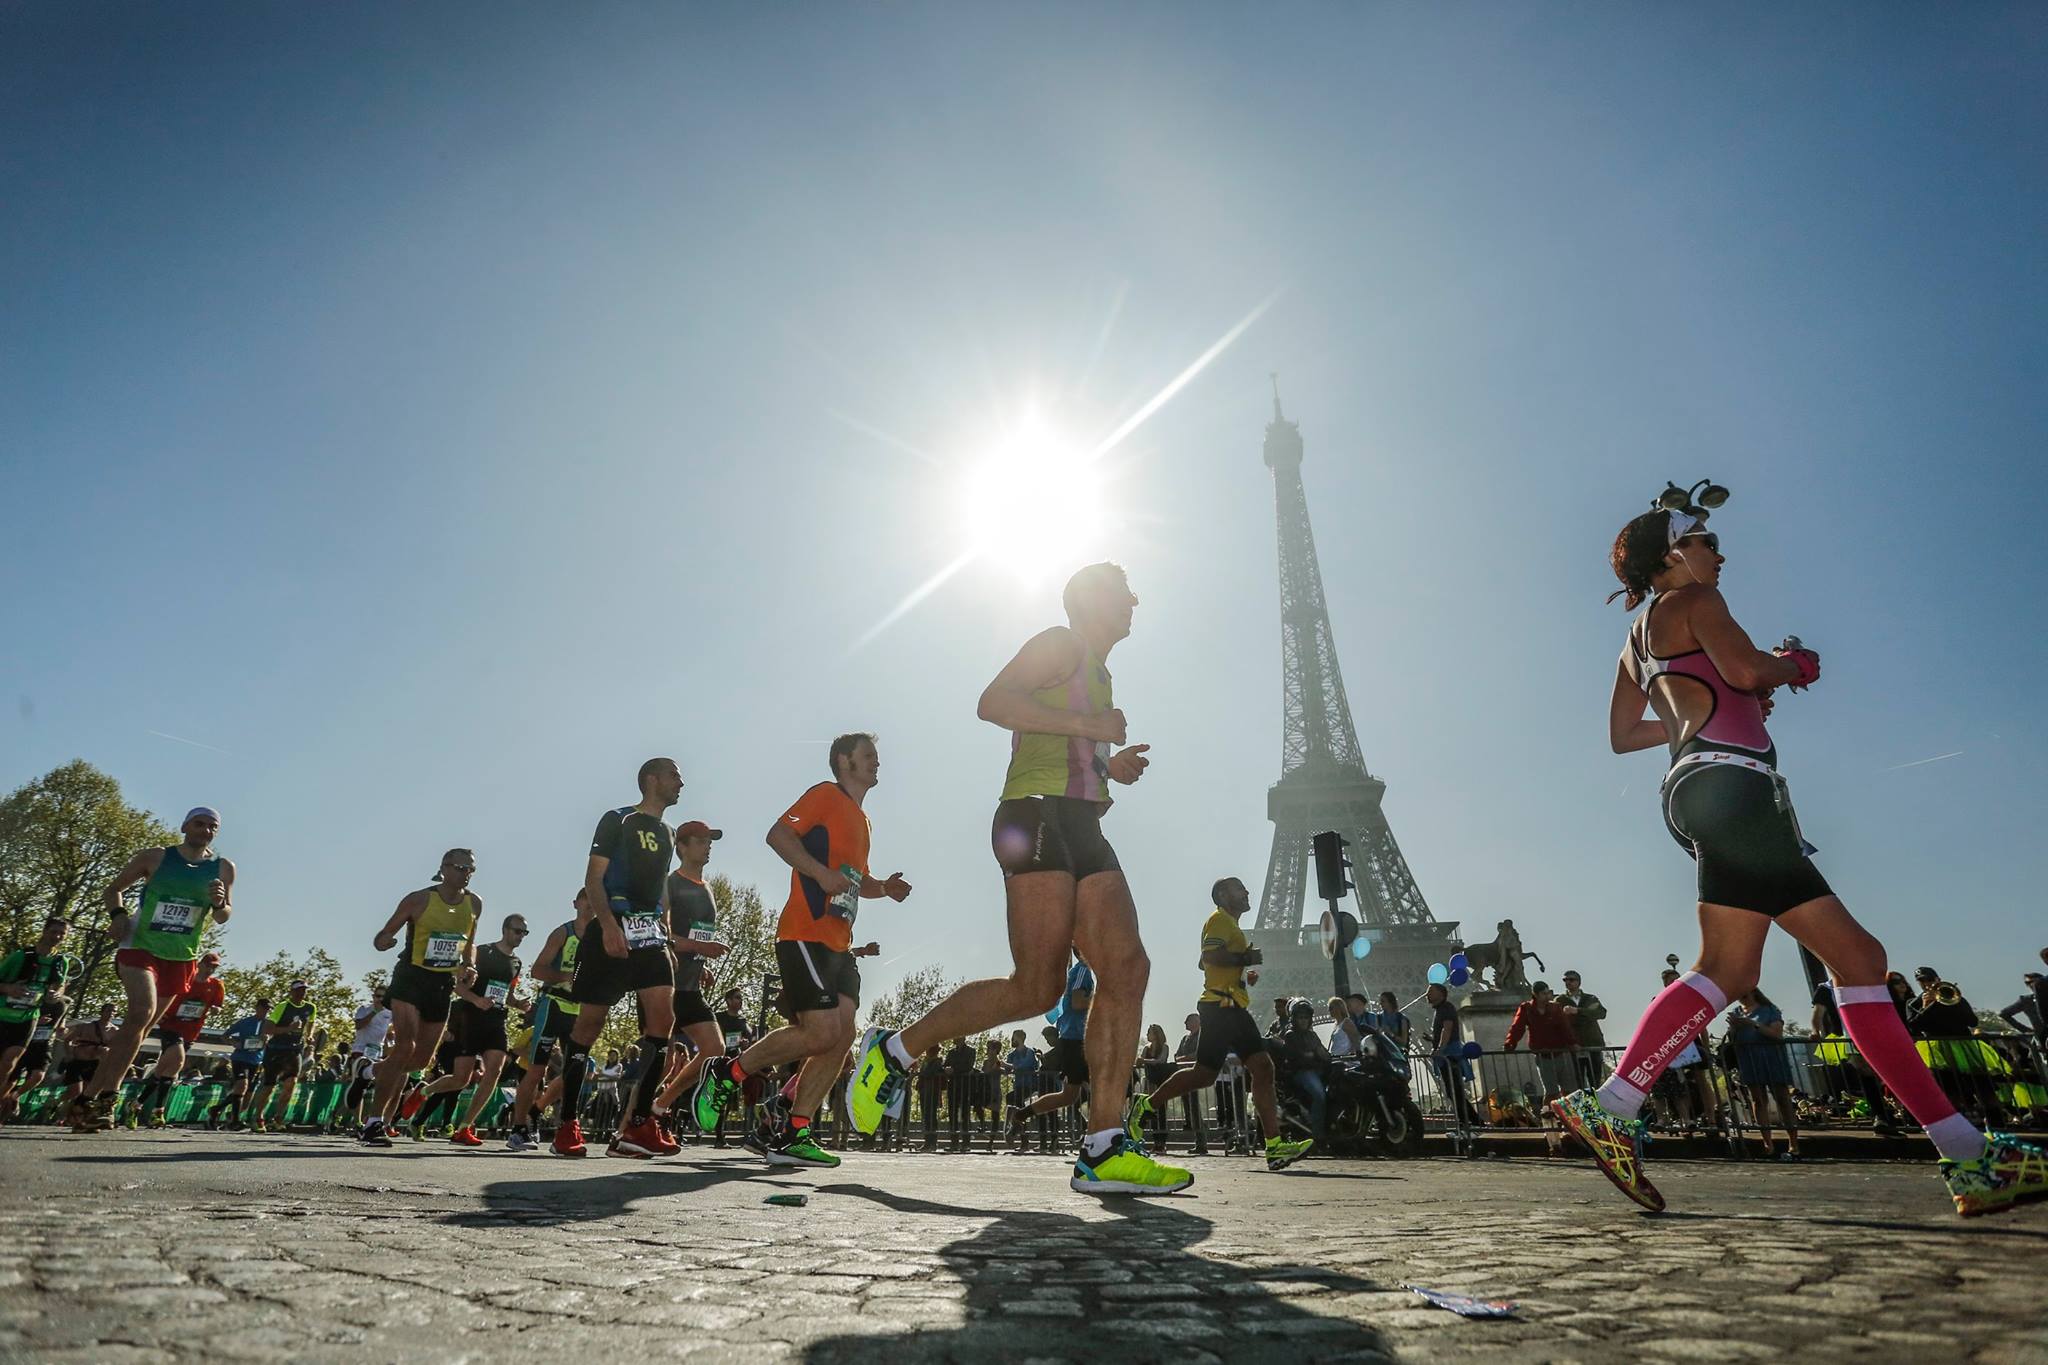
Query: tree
{"x": 913, "y": 996}
{"x": 334, "y": 1004}
{"x": 63, "y": 836}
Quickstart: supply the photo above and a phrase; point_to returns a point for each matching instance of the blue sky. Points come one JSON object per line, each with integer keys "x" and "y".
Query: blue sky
{"x": 437, "y": 411}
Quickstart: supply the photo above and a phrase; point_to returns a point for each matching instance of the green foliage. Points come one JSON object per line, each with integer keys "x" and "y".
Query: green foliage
{"x": 63, "y": 836}
{"x": 912, "y": 997}
{"x": 334, "y": 1004}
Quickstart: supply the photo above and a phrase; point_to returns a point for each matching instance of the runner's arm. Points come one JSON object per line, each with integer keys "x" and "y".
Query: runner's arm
{"x": 227, "y": 893}
{"x": 1049, "y": 657}
{"x": 139, "y": 868}
{"x": 387, "y": 937}
{"x": 1729, "y": 647}
{"x": 1627, "y": 729}
{"x": 791, "y": 850}
{"x": 544, "y": 970}
{"x": 600, "y": 903}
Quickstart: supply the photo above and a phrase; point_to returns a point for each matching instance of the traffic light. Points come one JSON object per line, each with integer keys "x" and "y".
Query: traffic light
{"x": 1331, "y": 865}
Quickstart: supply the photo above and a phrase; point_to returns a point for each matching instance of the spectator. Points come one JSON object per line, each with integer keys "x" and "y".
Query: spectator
{"x": 1551, "y": 1039}
{"x": 1050, "y": 1082}
{"x": 959, "y": 1092}
{"x": 1941, "y": 1011}
{"x": 2024, "y": 1013}
{"x": 931, "y": 1084}
{"x": 988, "y": 1097}
{"x": 1585, "y": 1011}
{"x": 1392, "y": 1022}
{"x": 1155, "y": 1060}
{"x": 1304, "y": 1060}
{"x": 1278, "y": 1027}
{"x": 1023, "y": 1064}
{"x": 1447, "y": 1046}
{"x": 1340, "y": 1036}
{"x": 1191, "y": 1103}
{"x": 1902, "y": 996}
{"x": 1757, "y": 1028}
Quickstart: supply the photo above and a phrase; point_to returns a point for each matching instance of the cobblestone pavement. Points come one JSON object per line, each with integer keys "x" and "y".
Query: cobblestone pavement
{"x": 132, "y": 1246}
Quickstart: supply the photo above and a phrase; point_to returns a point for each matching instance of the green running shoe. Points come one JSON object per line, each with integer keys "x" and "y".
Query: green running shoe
{"x": 795, "y": 1147}
{"x": 715, "y": 1090}
{"x": 1615, "y": 1142}
{"x": 1134, "y": 1122}
{"x": 1126, "y": 1169}
{"x": 2010, "y": 1172}
{"x": 876, "y": 1083}
{"x": 1280, "y": 1153}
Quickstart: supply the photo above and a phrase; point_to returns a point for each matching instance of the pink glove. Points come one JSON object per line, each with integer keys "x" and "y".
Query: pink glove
{"x": 1807, "y": 662}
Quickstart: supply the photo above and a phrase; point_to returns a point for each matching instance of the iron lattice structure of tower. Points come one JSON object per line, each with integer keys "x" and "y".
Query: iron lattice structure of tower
{"x": 1324, "y": 783}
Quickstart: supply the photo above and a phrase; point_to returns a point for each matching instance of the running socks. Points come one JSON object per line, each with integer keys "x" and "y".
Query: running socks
{"x": 1674, "y": 1019}
{"x": 573, "y": 1068}
{"x": 1878, "y": 1033}
{"x": 653, "y": 1049}
{"x": 894, "y": 1046}
{"x": 1098, "y": 1144}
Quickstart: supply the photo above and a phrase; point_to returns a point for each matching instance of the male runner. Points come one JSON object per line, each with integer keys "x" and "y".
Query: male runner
{"x": 479, "y": 1019}
{"x": 29, "y": 979}
{"x": 824, "y": 839}
{"x": 182, "y": 888}
{"x": 1064, "y": 889}
{"x": 183, "y": 1020}
{"x": 1227, "y": 1027}
{"x": 1070, "y": 1055}
{"x": 625, "y": 950}
{"x": 85, "y": 1046}
{"x": 554, "y": 1016}
{"x": 246, "y": 1033}
{"x": 440, "y": 932}
{"x": 693, "y": 937}
{"x": 34, "y": 1065}
{"x": 365, "y": 1050}
{"x": 284, "y": 1034}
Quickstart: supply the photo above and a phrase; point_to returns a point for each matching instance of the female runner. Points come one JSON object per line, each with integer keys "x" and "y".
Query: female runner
{"x": 1690, "y": 663}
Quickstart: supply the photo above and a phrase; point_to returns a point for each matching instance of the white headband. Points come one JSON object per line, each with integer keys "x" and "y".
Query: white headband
{"x": 1681, "y": 525}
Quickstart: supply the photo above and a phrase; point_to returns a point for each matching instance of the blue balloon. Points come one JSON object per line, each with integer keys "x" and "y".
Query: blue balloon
{"x": 1459, "y": 976}
{"x": 1052, "y": 1016}
{"x": 1438, "y": 973}
{"x": 1360, "y": 947}
{"x": 1459, "y": 962}
{"x": 1473, "y": 1051}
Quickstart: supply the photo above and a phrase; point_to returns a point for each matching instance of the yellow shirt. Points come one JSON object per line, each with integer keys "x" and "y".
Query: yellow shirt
{"x": 1224, "y": 985}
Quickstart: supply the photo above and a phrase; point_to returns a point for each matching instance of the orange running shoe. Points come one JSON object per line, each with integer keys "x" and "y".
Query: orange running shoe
{"x": 465, "y": 1137}
{"x": 568, "y": 1139}
{"x": 641, "y": 1138}
{"x": 1615, "y": 1142}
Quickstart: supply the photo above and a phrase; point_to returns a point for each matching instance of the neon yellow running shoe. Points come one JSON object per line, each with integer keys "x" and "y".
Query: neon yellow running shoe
{"x": 1615, "y": 1142}
{"x": 1126, "y": 1169}
{"x": 877, "y": 1081}
{"x": 1281, "y": 1153}
{"x": 2010, "y": 1172}
{"x": 1134, "y": 1122}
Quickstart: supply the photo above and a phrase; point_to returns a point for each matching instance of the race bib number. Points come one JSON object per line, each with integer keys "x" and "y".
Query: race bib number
{"x": 701, "y": 932}
{"x": 173, "y": 917}
{"x": 497, "y": 992}
{"x": 191, "y": 1009}
{"x": 846, "y": 905}
{"x": 642, "y": 931}
{"x": 444, "y": 950}
{"x": 732, "y": 1041}
{"x": 41, "y": 1035}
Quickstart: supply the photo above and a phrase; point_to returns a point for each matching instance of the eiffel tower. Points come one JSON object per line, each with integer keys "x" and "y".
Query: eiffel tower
{"x": 1324, "y": 783}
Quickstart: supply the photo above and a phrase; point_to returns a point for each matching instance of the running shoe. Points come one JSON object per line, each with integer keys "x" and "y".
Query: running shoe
{"x": 520, "y": 1141}
{"x": 1281, "y": 1153}
{"x": 374, "y": 1134}
{"x": 465, "y": 1137}
{"x": 1014, "y": 1134}
{"x": 876, "y": 1082}
{"x": 568, "y": 1139}
{"x": 1126, "y": 1169}
{"x": 640, "y": 1138}
{"x": 715, "y": 1090}
{"x": 2010, "y": 1172}
{"x": 1616, "y": 1144}
{"x": 1134, "y": 1121}
{"x": 758, "y": 1139}
{"x": 259, "y": 1125}
{"x": 795, "y": 1147}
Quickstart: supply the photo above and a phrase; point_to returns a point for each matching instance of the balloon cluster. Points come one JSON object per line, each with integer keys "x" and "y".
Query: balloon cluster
{"x": 1456, "y": 972}
{"x": 1360, "y": 946}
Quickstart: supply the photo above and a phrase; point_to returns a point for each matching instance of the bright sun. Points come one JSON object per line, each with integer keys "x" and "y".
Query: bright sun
{"x": 1034, "y": 503}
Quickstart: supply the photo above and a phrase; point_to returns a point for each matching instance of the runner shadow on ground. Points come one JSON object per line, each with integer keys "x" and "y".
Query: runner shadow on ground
{"x": 1131, "y": 1289}
{"x": 580, "y": 1199}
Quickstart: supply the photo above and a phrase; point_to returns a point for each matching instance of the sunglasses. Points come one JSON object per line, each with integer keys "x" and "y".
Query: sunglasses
{"x": 1706, "y": 538}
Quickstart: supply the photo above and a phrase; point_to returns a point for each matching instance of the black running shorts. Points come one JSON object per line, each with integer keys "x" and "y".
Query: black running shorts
{"x": 551, "y": 1024}
{"x": 1051, "y": 834}
{"x": 80, "y": 1072}
{"x": 1071, "y": 1061}
{"x": 1226, "y": 1029}
{"x": 35, "y": 1057}
{"x": 690, "y": 1009}
{"x": 16, "y": 1032}
{"x": 1742, "y": 834}
{"x": 604, "y": 980}
{"x": 815, "y": 977}
{"x": 426, "y": 991}
{"x": 476, "y": 1031}
{"x": 281, "y": 1065}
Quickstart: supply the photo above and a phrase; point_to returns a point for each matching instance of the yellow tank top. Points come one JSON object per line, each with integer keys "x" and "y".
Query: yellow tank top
{"x": 1064, "y": 765}
{"x": 434, "y": 942}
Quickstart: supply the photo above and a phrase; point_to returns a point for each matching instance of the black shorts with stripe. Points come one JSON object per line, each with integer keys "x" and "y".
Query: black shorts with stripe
{"x": 815, "y": 977}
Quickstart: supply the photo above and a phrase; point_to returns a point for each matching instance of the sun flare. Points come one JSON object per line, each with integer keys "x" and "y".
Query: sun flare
{"x": 1033, "y": 503}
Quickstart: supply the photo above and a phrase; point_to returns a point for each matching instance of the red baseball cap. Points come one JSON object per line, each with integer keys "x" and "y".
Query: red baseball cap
{"x": 697, "y": 829}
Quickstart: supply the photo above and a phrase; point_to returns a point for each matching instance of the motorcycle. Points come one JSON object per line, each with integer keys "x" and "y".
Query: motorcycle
{"x": 1370, "y": 1108}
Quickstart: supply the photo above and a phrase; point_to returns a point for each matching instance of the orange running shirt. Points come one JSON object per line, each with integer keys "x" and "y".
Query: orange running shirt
{"x": 834, "y": 830}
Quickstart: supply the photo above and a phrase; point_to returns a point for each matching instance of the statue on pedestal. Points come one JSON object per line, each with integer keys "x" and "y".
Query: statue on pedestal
{"x": 1503, "y": 957}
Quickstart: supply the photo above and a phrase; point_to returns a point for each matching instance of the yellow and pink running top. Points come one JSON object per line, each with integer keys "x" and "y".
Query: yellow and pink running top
{"x": 1065, "y": 765}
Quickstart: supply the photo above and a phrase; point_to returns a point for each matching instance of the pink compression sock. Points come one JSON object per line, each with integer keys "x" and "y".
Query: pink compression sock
{"x": 1874, "y": 1026}
{"x": 1674, "y": 1019}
